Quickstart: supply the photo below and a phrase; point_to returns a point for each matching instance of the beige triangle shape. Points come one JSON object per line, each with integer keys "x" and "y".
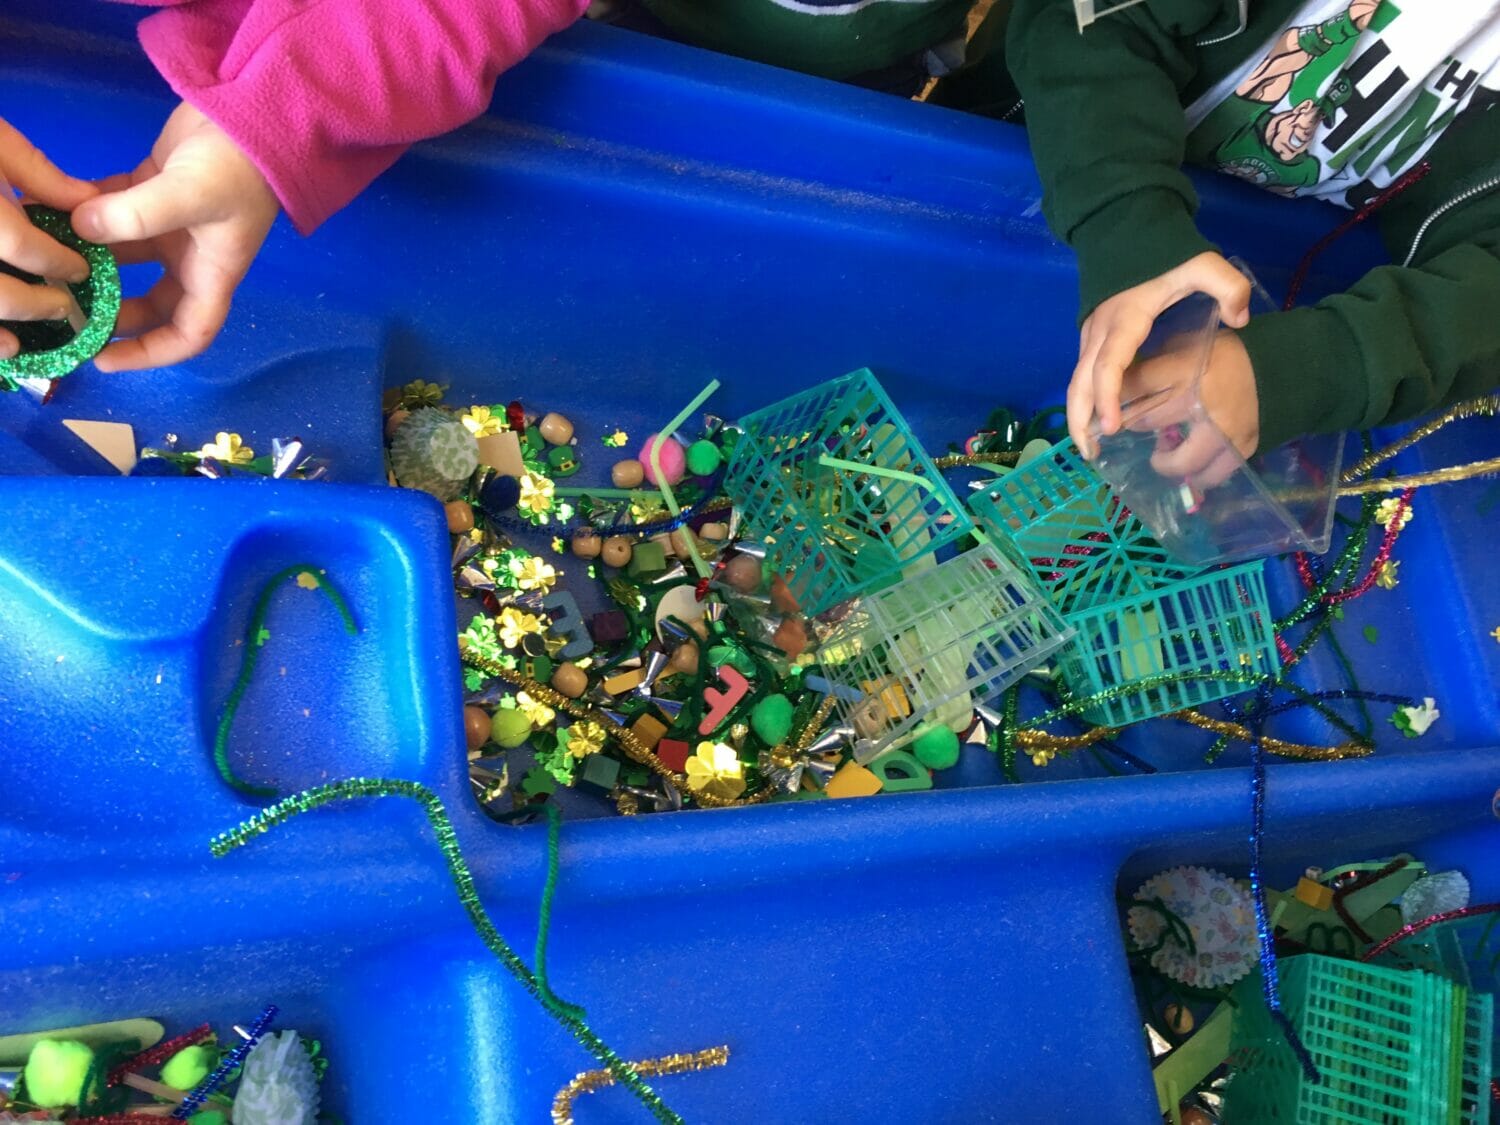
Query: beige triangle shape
{"x": 114, "y": 441}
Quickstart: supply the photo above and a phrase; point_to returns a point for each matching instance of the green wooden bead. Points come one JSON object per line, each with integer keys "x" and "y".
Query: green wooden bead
{"x": 509, "y": 727}
{"x": 771, "y": 719}
{"x": 936, "y": 748}
{"x": 899, "y": 772}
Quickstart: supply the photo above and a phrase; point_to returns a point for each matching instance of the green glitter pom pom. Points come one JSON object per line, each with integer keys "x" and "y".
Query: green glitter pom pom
{"x": 771, "y": 720}
{"x": 703, "y": 457}
{"x": 50, "y": 349}
{"x": 188, "y": 1067}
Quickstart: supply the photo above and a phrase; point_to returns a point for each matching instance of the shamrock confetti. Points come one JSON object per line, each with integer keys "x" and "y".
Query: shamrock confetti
{"x": 481, "y": 421}
{"x": 1415, "y": 721}
{"x": 229, "y": 449}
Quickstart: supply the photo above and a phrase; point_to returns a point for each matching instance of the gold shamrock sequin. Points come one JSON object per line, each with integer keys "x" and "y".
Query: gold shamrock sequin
{"x": 716, "y": 770}
{"x": 1385, "y": 514}
{"x": 481, "y": 421}
{"x": 419, "y": 393}
{"x": 229, "y": 449}
{"x": 531, "y": 573}
{"x": 534, "y": 709}
{"x": 585, "y": 737}
{"x": 515, "y": 626}
{"x": 1387, "y": 579}
{"x": 536, "y": 494}
{"x": 1041, "y": 756}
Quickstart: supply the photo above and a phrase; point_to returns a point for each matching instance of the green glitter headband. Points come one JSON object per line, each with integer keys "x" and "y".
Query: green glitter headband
{"x": 47, "y": 350}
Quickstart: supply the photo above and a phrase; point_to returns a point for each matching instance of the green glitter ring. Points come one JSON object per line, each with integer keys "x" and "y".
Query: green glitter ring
{"x": 98, "y": 297}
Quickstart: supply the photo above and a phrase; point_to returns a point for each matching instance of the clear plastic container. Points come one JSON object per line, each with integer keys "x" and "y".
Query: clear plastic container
{"x": 1235, "y": 509}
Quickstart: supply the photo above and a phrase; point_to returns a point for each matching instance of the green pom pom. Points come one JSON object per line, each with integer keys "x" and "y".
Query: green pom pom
{"x": 703, "y": 457}
{"x": 209, "y": 1117}
{"x": 936, "y": 748}
{"x": 771, "y": 720}
{"x": 188, "y": 1067}
{"x": 56, "y": 1071}
{"x": 509, "y": 727}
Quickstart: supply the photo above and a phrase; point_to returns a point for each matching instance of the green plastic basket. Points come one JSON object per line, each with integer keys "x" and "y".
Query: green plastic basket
{"x": 835, "y": 531}
{"x": 1138, "y": 614}
{"x": 1390, "y": 1046}
{"x": 927, "y": 649}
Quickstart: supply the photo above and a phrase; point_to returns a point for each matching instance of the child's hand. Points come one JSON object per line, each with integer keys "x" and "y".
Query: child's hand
{"x": 1227, "y": 391}
{"x": 23, "y": 167}
{"x": 1114, "y": 332}
{"x": 199, "y": 207}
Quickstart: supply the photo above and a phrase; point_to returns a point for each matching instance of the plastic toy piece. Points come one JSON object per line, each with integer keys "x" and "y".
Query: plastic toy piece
{"x": 649, "y": 729}
{"x": 599, "y": 771}
{"x": 114, "y": 441}
{"x": 621, "y": 682}
{"x": 502, "y": 452}
{"x": 648, "y": 560}
{"x": 674, "y": 754}
{"x": 568, "y": 622}
{"x": 1314, "y": 894}
{"x": 899, "y": 772}
{"x": 853, "y": 780}
{"x": 721, "y": 703}
{"x": 891, "y": 696}
{"x": 609, "y": 627}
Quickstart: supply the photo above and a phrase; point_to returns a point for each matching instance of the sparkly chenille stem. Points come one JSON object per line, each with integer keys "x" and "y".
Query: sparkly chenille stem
{"x": 591, "y": 1080}
{"x": 1488, "y": 406}
{"x": 227, "y": 1066}
{"x": 252, "y": 646}
{"x": 468, "y": 895}
{"x": 155, "y": 1056}
{"x": 1417, "y": 927}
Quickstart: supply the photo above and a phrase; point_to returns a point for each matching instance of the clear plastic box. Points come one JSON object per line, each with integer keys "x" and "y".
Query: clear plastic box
{"x": 1275, "y": 502}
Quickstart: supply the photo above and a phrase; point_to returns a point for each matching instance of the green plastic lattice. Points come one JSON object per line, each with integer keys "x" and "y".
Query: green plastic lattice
{"x": 833, "y": 531}
{"x": 1138, "y": 613}
{"x": 1390, "y": 1047}
{"x": 930, "y": 647}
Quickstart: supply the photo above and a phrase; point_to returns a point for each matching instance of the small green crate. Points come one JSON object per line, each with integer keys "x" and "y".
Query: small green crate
{"x": 1390, "y": 1047}
{"x": 927, "y": 649}
{"x": 834, "y": 532}
{"x": 1138, "y": 613}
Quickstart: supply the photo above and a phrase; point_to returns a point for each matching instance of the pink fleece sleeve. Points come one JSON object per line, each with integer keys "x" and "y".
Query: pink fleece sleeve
{"x": 324, "y": 95}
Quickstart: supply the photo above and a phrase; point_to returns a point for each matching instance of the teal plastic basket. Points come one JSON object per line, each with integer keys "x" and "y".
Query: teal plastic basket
{"x": 1138, "y": 613}
{"x": 1390, "y": 1046}
{"x": 836, "y": 531}
{"x": 929, "y": 648}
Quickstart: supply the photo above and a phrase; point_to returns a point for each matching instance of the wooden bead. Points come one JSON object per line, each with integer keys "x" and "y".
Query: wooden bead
{"x": 476, "y": 727}
{"x": 685, "y": 659}
{"x": 627, "y": 474}
{"x": 393, "y": 421}
{"x": 743, "y": 573}
{"x": 460, "y": 516}
{"x": 570, "y": 680}
{"x": 1179, "y": 1019}
{"x": 1195, "y": 1116}
{"x": 616, "y": 551}
{"x": 587, "y": 545}
{"x": 556, "y": 430}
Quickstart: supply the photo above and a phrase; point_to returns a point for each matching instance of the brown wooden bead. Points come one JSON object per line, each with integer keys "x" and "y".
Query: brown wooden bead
{"x": 393, "y": 421}
{"x": 476, "y": 726}
{"x": 743, "y": 573}
{"x": 616, "y": 551}
{"x": 587, "y": 545}
{"x": 556, "y": 430}
{"x": 570, "y": 680}
{"x": 460, "y": 516}
{"x": 627, "y": 474}
{"x": 685, "y": 659}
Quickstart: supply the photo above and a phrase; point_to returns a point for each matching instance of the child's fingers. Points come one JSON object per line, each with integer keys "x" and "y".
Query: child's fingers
{"x": 1231, "y": 289}
{"x": 155, "y": 207}
{"x": 30, "y": 171}
{"x": 139, "y": 315}
{"x": 1193, "y": 456}
{"x": 1116, "y": 354}
{"x": 19, "y": 301}
{"x": 1080, "y": 402}
{"x": 25, "y": 247}
{"x": 1217, "y": 471}
{"x": 9, "y": 345}
{"x": 194, "y": 323}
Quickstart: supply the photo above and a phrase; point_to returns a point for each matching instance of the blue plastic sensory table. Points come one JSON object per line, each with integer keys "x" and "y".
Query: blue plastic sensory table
{"x": 631, "y": 218}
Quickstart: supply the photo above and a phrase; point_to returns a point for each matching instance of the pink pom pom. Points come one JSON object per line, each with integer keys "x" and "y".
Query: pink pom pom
{"x": 673, "y": 460}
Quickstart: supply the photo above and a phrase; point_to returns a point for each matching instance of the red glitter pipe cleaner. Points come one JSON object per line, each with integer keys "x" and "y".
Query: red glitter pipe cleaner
{"x": 1417, "y": 927}
{"x": 155, "y": 1056}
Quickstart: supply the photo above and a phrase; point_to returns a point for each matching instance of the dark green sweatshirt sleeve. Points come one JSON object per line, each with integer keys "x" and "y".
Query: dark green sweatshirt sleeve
{"x": 1105, "y": 121}
{"x": 1404, "y": 340}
